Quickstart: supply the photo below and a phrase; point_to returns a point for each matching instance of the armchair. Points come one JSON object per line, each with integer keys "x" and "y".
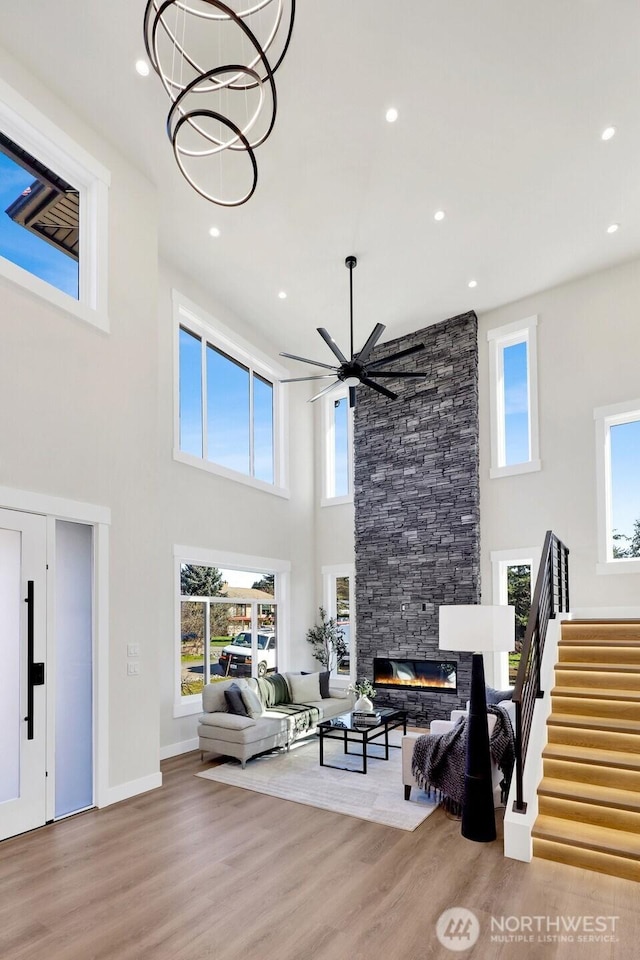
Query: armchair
{"x": 444, "y": 726}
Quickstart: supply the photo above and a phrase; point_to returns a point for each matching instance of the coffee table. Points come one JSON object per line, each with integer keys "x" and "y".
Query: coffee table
{"x": 344, "y": 728}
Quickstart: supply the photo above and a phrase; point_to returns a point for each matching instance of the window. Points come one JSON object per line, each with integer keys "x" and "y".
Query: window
{"x": 514, "y": 399}
{"x": 618, "y": 469}
{"x": 338, "y": 448}
{"x": 339, "y": 602}
{"x": 53, "y": 213}
{"x": 229, "y": 617}
{"x": 514, "y": 573}
{"x": 230, "y": 410}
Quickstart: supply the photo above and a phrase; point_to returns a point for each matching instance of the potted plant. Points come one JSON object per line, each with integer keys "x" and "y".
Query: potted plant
{"x": 327, "y": 641}
{"x": 365, "y": 691}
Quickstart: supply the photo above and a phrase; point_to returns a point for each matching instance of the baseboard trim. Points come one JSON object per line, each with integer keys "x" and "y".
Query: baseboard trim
{"x": 175, "y": 749}
{"x": 124, "y": 791}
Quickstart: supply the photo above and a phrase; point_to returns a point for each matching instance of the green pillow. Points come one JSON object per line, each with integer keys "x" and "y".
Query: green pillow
{"x": 280, "y": 688}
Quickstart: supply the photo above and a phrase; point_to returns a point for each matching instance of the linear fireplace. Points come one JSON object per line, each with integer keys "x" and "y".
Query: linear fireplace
{"x": 440, "y": 675}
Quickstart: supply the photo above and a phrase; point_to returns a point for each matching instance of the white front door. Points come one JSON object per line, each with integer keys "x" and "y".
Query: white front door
{"x": 22, "y": 672}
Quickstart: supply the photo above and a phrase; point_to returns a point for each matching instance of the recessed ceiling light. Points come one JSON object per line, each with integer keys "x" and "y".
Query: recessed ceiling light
{"x": 391, "y": 115}
{"x": 214, "y": 232}
{"x": 282, "y": 295}
{"x": 142, "y": 67}
{"x": 608, "y": 133}
{"x": 613, "y": 228}
{"x": 472, "y": 283}
{"x": 438, "y": 215}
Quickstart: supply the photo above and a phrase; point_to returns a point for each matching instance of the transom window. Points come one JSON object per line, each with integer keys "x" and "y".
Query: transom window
{"x": 229, "y": 408}
{"x": 618, "y": 465}
{"x": 514, "y": 407}
{"x": 53, "y": 212}
{"x": 40, "y": 219}
{"x": 337, "y": 448}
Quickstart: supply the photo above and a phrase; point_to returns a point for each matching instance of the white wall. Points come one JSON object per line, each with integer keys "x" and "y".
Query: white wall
{"x": 588, "y": 349}
{"x": 79, "y": 421}
{"x": 200, "y": 509}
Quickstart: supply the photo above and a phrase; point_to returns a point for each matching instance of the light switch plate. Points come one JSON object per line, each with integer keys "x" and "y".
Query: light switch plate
{"x": 133, "y": 668}
{"x": 133, "y": 649}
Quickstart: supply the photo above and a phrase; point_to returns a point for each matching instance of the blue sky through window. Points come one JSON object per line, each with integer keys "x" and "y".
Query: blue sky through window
{"x": 625, "y": 476}
{"x": 227, "y": 411}
{"x": 190, "y": 393}
{"x": 25, "y": 249}
{"x": 341, "y": 449}
{"x": 516, "y": 404}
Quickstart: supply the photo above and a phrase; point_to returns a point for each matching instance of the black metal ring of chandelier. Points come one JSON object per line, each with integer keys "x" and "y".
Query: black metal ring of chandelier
{"x": 153, "y": 19}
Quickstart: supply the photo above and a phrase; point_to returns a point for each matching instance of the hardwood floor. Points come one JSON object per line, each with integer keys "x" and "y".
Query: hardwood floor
{"x": 203, "y": 871}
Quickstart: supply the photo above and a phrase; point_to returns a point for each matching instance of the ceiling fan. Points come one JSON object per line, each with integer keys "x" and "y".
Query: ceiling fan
{"x": 357, "y": 370}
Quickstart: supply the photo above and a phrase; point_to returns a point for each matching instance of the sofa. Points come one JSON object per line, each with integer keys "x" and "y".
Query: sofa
{"x": 289, "y": 707}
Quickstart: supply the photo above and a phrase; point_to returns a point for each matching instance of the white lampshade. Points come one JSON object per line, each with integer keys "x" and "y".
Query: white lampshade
{"x": 473, "y": 627}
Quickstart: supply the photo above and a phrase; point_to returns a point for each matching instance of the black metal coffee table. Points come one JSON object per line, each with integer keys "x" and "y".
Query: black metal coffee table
{"x": 346, "y": 729}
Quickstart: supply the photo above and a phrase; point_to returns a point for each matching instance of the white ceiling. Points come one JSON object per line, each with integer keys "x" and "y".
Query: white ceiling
{"x": 501, "y": 106}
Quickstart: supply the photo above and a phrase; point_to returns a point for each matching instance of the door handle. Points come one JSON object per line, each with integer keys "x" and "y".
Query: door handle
{"x": 35, "y": 671}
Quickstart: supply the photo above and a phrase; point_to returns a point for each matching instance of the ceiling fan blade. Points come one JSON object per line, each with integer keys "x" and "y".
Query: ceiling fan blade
{"x": 379, "y": 388}
{"x": 333, "y": 346}
{"x": 374, "y": 336}
{"x": 321, "y": 376}
{"x": 322, "y": 392}
{"x": 397, "y": 373}
{"x": 352, "y": 397}
{"x": 396, "y": 356}
{"x": 315, "y": 363}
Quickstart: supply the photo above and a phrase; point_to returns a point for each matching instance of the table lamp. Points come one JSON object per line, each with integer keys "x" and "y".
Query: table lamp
{"x": 477, "y": 629}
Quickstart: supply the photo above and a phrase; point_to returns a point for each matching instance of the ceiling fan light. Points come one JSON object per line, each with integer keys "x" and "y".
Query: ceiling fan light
{"x": 352, "y": 381}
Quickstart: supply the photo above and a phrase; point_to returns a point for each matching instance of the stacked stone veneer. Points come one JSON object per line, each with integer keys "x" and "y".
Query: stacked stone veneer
{"x": 417, "y": 508}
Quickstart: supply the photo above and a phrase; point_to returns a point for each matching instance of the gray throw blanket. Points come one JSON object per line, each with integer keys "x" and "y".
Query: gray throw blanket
{"x": 439, "y": 759}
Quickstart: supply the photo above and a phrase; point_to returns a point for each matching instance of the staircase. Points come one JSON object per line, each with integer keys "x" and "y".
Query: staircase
{"x": 589, "y": 797}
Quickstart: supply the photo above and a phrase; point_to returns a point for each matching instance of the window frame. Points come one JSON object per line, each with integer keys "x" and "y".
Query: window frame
{"x": 36, "y": 134}
{"x": 192, "y": 704}
{"x": 198, "y": 322}
{"x": 328, "y": 498}
{"x": 522, "y": 331}
{"x": 605, "y": 418}
{"x": 501, "y": 560}
{"x": 330, "y": 574}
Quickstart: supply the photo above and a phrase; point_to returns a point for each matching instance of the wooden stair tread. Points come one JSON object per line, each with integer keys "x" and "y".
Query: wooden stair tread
{"x": 616, "y": 724}
{"x": 599, "y": 667}
{"x": 619, "y": 843}
{"x": 606, "y": 644}
{"x": 590, "y": 793}
{"x": 597, "y": 693}
{"x": 604, "y": 622}
{"x": 595, "y": 756}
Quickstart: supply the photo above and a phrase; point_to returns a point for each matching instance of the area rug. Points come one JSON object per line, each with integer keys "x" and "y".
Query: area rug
{"x": 298, "y": 776}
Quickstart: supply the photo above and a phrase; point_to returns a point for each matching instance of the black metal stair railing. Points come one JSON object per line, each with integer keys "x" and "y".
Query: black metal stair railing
{"x": 551, "y": 596}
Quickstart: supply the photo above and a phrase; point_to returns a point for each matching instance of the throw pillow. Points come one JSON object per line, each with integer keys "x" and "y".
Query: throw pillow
{"x": 235, "y": 703}
{"x": 324, "y": 683}
{"x": 305, "y": 688}
{"x": 495, "y": 696}
{"x": 252, "y": 702}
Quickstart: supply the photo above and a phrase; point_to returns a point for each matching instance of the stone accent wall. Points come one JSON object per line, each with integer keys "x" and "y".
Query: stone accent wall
{"x": 417, "y": 515}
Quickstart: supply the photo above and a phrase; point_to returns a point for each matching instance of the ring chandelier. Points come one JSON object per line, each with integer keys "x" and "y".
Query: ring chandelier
{"x": 217, "y": 65}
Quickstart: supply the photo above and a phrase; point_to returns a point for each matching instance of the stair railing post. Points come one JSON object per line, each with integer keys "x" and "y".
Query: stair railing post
{"x": 519, "y": 805}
